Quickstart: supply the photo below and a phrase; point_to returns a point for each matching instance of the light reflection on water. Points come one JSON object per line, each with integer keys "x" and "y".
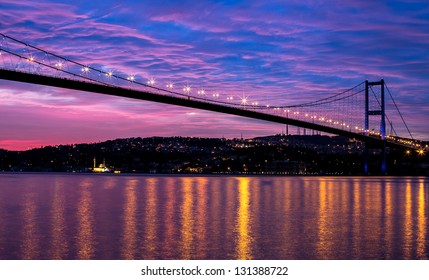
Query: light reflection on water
{"x": 59, "y": 247}
{"x": 85, "y": 235}
{"x": 243, "y": 224}
{"x": 129, "y": 246}
{"x": 60, "y": 216}
{"x": 30, "y": 246}
{"x": 422, "y": 250}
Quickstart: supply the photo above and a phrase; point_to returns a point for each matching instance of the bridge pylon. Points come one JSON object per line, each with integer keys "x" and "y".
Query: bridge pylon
{"x": 378, "y": 111}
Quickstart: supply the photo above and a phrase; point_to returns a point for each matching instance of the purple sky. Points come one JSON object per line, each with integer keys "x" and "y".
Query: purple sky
{"x": 292, "y": 51}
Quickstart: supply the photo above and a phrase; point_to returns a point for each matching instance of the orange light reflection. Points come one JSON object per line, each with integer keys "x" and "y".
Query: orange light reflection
{"x": 201, "y": 218}
{"x": 244, "y": 238}
{"x": 408, "y": 227}
{"x": 422, "y": 223}
{"x": 187, "y": 219}
{"x": 151, "y": 219}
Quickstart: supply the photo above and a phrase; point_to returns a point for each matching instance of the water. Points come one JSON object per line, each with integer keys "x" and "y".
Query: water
{"x": 61, "y": 216}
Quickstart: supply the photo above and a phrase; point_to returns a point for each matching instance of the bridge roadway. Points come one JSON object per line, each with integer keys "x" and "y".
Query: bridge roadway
{"x": 25, "y": 77}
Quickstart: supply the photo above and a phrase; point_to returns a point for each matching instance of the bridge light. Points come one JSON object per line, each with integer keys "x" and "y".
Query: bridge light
{"x": 421, "y": 152}
{"x": 169, "y": 85}
{"x": 109, "y": 74}
{"x": 151, "y": 82}
{"x": 187, "y": 89}
{"x": 85, "y": 69}
{"x": 59, "y": 65}
{"x": 244, "y": 101}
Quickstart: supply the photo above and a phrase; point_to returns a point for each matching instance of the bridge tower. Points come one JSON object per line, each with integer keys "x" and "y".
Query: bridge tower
{"x": 380, "y": 111}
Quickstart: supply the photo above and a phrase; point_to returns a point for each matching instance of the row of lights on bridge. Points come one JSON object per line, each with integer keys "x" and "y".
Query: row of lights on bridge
{"x": 187, "y": 89}
{"x": 244, "y": 102}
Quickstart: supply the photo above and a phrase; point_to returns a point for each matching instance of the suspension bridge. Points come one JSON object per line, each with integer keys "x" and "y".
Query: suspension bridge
{"x": 359, "y": 112}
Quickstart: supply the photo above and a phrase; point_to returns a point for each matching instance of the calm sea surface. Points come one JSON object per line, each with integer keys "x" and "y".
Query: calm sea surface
{"x": 67, "y": 216}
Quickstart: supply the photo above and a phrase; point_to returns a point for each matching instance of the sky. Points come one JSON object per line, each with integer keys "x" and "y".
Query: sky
{"x": 291, "y": 51}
